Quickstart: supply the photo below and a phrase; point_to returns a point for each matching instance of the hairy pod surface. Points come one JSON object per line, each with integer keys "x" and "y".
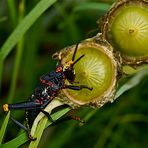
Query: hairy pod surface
{"x": 125, "y": 26}
{"x": 97, "y": 69}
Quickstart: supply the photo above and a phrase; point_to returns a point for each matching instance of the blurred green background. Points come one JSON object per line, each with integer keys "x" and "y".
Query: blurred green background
{"x": 123, "y": 123}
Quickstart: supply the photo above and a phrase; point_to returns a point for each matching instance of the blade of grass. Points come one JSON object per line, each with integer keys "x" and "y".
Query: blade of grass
{"x": 21, "y": 29}
{"x": 21, "y": 139}
{"x": 12, "y": 12}
{"x": 25, "y": 24}
{"x": 3, "y": 128}
{"x": 16, "y": 142}
{"x": 19, "y": 51}
{"x": 134, "y": 81}
{"x": 42, "y": 124}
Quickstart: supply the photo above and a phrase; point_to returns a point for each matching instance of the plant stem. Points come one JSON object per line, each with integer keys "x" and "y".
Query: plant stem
{"x": 1, "y": 68}
{"x": 18, "y": 56}
{"x": 12, "y": 12}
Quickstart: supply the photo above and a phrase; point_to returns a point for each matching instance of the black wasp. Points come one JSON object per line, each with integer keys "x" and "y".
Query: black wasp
{"x": 48, "y": 88}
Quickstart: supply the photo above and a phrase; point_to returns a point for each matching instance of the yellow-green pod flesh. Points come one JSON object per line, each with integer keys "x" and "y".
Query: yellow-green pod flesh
{"x": 97, "y": 69}
{"x": 125, "y": 26}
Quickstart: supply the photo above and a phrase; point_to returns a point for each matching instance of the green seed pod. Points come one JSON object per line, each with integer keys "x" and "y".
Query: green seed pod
{"x": 97, "y": 69}
{"x": 125, "y": 26}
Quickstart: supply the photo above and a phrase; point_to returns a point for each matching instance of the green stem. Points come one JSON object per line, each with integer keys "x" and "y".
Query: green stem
{"x": 16, "y": 142}
{"x": 1, "y": 68}
{"x": 26, "y": 23}
{"x": 12, "y": 12}
{"x": 18, "y": 56}
{"x": 3, "y": 128}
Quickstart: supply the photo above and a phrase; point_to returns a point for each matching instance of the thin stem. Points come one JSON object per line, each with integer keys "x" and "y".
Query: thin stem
{"x": 12, "y": 12}
{"x": 1, "y": 69}
{"x": 18, "y": 56}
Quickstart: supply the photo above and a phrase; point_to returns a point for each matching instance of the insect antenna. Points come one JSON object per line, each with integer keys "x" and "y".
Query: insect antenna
{"x": 73, "y": 57}
{"x": 78, "y": 59}
{"x": 74, "y": 54}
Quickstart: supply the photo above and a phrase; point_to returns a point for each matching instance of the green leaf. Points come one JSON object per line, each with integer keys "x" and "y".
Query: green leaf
{"x": 16, "y": 142}
{"x": 21, "y": 29}
{"x": 45, "y": 123}
{"x": 132, "y": 82}
{"x": 3, "y": 128}
{"x": 21, "y": 139}
{"x": 26, "y": 23}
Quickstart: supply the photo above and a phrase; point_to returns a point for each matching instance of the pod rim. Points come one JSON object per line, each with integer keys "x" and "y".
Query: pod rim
{"x": 107, "y": 95}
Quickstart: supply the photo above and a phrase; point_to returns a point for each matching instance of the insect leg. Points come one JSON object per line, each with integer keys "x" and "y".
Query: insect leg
{"x": 53, "y": 104}
{"x": 73, "y": 117}
{"x": 76, "y": 118}
{"x": 47, "y": 115}
{"x": 23, "y": 127}
{"x": 66, "y": 118}
{"x": 22, "y": 105}
{"x": 78, "y": 87}
{"x": 45, "y": 112}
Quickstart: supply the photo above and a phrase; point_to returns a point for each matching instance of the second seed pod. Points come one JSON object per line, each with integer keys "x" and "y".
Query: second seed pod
{"x": 125, "y": 26}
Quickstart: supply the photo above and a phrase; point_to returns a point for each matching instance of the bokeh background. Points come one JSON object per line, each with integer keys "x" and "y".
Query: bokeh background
{"x": 121, "y": 124}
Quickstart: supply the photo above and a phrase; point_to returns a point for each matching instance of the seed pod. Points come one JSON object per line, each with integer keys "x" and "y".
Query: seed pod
{"x": 97, "y": 69}
{"x": 125, "y": 26}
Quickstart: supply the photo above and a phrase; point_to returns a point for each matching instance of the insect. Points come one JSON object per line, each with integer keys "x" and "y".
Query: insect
{"x": 48, "y": 88}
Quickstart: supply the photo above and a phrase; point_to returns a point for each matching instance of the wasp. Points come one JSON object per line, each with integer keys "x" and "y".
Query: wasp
{"x": 49, "y": 86}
